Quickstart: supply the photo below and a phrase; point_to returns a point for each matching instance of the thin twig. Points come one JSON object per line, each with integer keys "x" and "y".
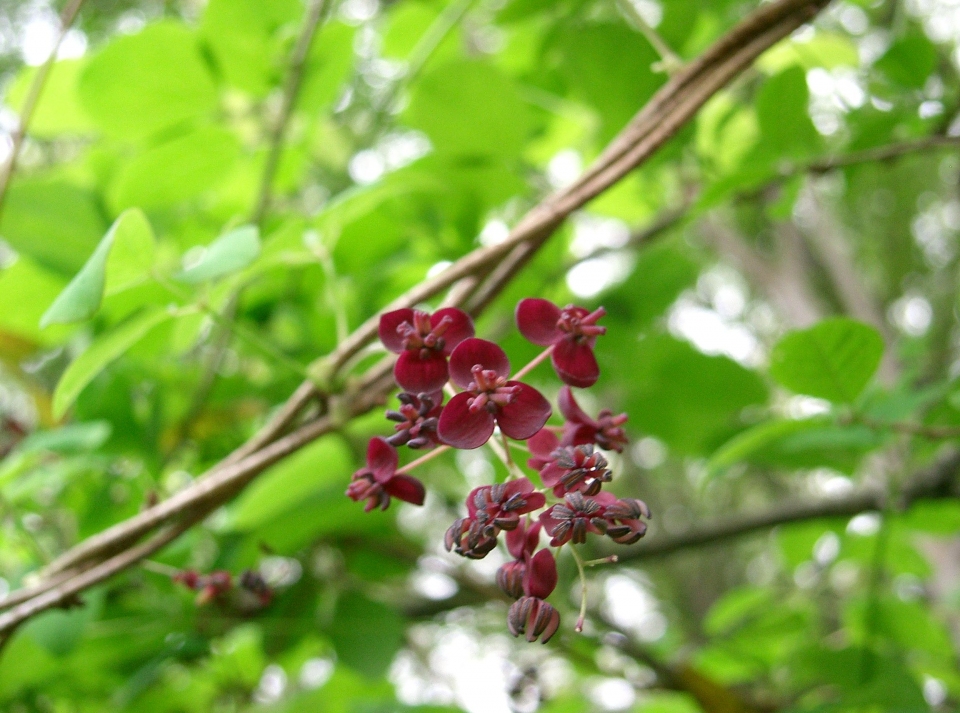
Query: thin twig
{"x": 67, "y": 18}
{"x": 316, "y": 15}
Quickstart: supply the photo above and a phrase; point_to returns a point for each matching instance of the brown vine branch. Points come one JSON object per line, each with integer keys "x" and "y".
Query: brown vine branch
{"x": 490, "y": 268}
{"x": 67, "y": 18}
{"x": 940, "y": 480}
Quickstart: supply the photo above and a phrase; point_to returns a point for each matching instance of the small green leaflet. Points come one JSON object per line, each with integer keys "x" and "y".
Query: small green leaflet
{"x": 832, "y": 360}
{"x": 229, "y": 253}
{"x": 122, "y": 259}
{"x": 107, "y": 348}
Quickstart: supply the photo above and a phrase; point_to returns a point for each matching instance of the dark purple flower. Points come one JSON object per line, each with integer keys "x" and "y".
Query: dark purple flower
{"x": 530, "y": 615}
{"x": 567, "y": 468}
{"x": 379, "y": 480}
{"x": 416, "y": 420}
{"x": 481, "y": 368}
{"x": 521, "y": 542}
{"x": 602, "y": 514}
{"x": 424, "y": 342}
{"x": 573, "y": 519}
{"x": 571, "y": 331}
{"x": 491, "y": 508}
{"x": 606, "y": 431}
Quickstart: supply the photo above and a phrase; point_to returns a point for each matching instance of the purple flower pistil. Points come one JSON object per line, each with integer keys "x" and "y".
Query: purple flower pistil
{"x": 490, "y": 390}
{"x": 416, "y": 420}
{"x": 579, "y": 326}
{"x": 422, "y": 335}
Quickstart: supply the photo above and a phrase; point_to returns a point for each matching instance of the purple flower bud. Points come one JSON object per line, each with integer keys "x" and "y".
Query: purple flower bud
{"x": 534, "y": 618}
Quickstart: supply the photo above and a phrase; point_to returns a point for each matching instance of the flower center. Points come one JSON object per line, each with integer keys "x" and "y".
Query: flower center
{"x": 422, "y": 335}
{"x": 491, "y": 390}
{"x": 581, "y": 326}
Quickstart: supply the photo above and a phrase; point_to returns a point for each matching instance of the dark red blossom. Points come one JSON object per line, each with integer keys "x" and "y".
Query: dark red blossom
{"x": 602, "y": 514}
{"x": 416, "y": 420}
{"x": 606, "y": 431}
{"x": 530, "y": 615}
{"x": 567, "y": 468}
{"x": 379, "y": 480}
{"x": 491, "y": 508}
{"x": 423, "y": 341}
{"x": 252, "y": 581}
{"x": 571, "y": 331}
{"x": 481, "y": 368}
{"x": 521, "y": 543}
{"x": 208, "y": 586}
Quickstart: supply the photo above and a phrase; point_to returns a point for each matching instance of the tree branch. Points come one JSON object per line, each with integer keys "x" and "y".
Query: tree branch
{"x": 672, "y": 106}
{"x": 67, "y": 18}
{"x": 316, "y": 15}
{"x": 940, "y": 480}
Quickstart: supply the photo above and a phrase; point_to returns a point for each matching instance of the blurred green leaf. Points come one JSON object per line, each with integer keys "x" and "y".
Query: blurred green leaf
{"x": 229, "y": 253}
{"x": 366, "y": 634}
{"x": 98, "y": 355}
{"x": 141, "y": 83}
{"x": 832, "y": 360}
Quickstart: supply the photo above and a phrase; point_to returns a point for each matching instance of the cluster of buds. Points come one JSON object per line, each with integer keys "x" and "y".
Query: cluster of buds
{"x": 438, "y": 352}
{"x": 215, "y": 586}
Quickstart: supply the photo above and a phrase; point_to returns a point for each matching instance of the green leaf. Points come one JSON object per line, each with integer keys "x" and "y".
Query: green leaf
{"x": 832, "y": 360}
{"x": 68, "y": 439}
{"x": 909, "y": 61}
{"x": 56, "y": 223}
{"x": 32, "y": 289}
{"x": 229, "y": 253}
{"x": 366, "y": 634}
{"x": 141, "y": 83}
{"x": 177, "y": 170}
{"x": 470, "y": 109}
{"x": 747, "y": 443}
{"x": 785, "y": 126}
{"x": 133, "y": 252}
{"x": 98, "y": 355}
{"x": 81, "y": 298}
{"x": 667, "y": 376}
{"x": 58, "y": 110}
{"x": 122, "y": 259}
{"x": 322, "y": 465}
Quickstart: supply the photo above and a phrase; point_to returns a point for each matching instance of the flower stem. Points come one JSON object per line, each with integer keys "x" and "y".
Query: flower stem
{"x": 422, "y": 459}
{"x": 533, "y": 363}
{"x": 583, "y": 589}
{"x": 603, "y": 560}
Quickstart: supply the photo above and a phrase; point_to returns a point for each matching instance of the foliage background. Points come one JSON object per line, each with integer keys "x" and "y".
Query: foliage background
{"x": 823, "y": 183}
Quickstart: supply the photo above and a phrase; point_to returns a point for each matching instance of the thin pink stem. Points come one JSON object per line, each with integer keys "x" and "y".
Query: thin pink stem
{"x": 422, "y": 459}
{"x": 533, "y": 363}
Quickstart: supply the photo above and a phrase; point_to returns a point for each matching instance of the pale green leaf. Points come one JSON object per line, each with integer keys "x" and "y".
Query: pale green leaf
{"x": 229, "y": 253}
{"x": 81, "y": 298}
{"x": 832, "y": 360}
{"x": 132, "y": 255}
{"x": 102, "y": 352}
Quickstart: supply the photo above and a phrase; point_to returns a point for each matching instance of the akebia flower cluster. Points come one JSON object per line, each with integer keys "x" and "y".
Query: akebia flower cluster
{"x": 437, "y": 354}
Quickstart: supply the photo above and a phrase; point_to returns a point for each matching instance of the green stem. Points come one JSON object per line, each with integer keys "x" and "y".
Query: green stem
{"x": 583, "y": 589}
{"x": 439, "y": 450}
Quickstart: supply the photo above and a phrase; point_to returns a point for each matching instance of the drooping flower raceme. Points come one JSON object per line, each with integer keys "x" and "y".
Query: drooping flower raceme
{"x": 379, "y": 480}
{"x": 571, "y": 331}
{"x": 579, "y": 429}
{"x": 423, "y": 341}
{"x": 488, "y": 399}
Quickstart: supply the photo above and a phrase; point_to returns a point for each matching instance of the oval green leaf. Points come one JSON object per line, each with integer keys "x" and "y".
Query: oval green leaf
{"x": 832, "y": 360}
{"x": 229, "y": 253}
{"x": 103, "y": 351}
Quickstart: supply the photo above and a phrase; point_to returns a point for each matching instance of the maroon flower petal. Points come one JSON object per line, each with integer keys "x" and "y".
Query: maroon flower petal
{"x": 541, "y": 445}
{"x": 578, "y": 435}
{"x": 526, "y": 414}
{"x": 476, "y": 351}
{"x": 462, "y": 428}
{"x": 541, "y": 575}
{"x": 417, "y": 375}
{"x": 382, "y": 459}
{"x": 523, "y": 539}
{"x": 575, "y": 363}
{"x": 537, "y": 321}
{"x": 388, "y": 328}
{"x": 571, "y": 409}
{"x": 407, "y": 488}
{"x": 551, "y": 474}
{"x": 459, "y": 328}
